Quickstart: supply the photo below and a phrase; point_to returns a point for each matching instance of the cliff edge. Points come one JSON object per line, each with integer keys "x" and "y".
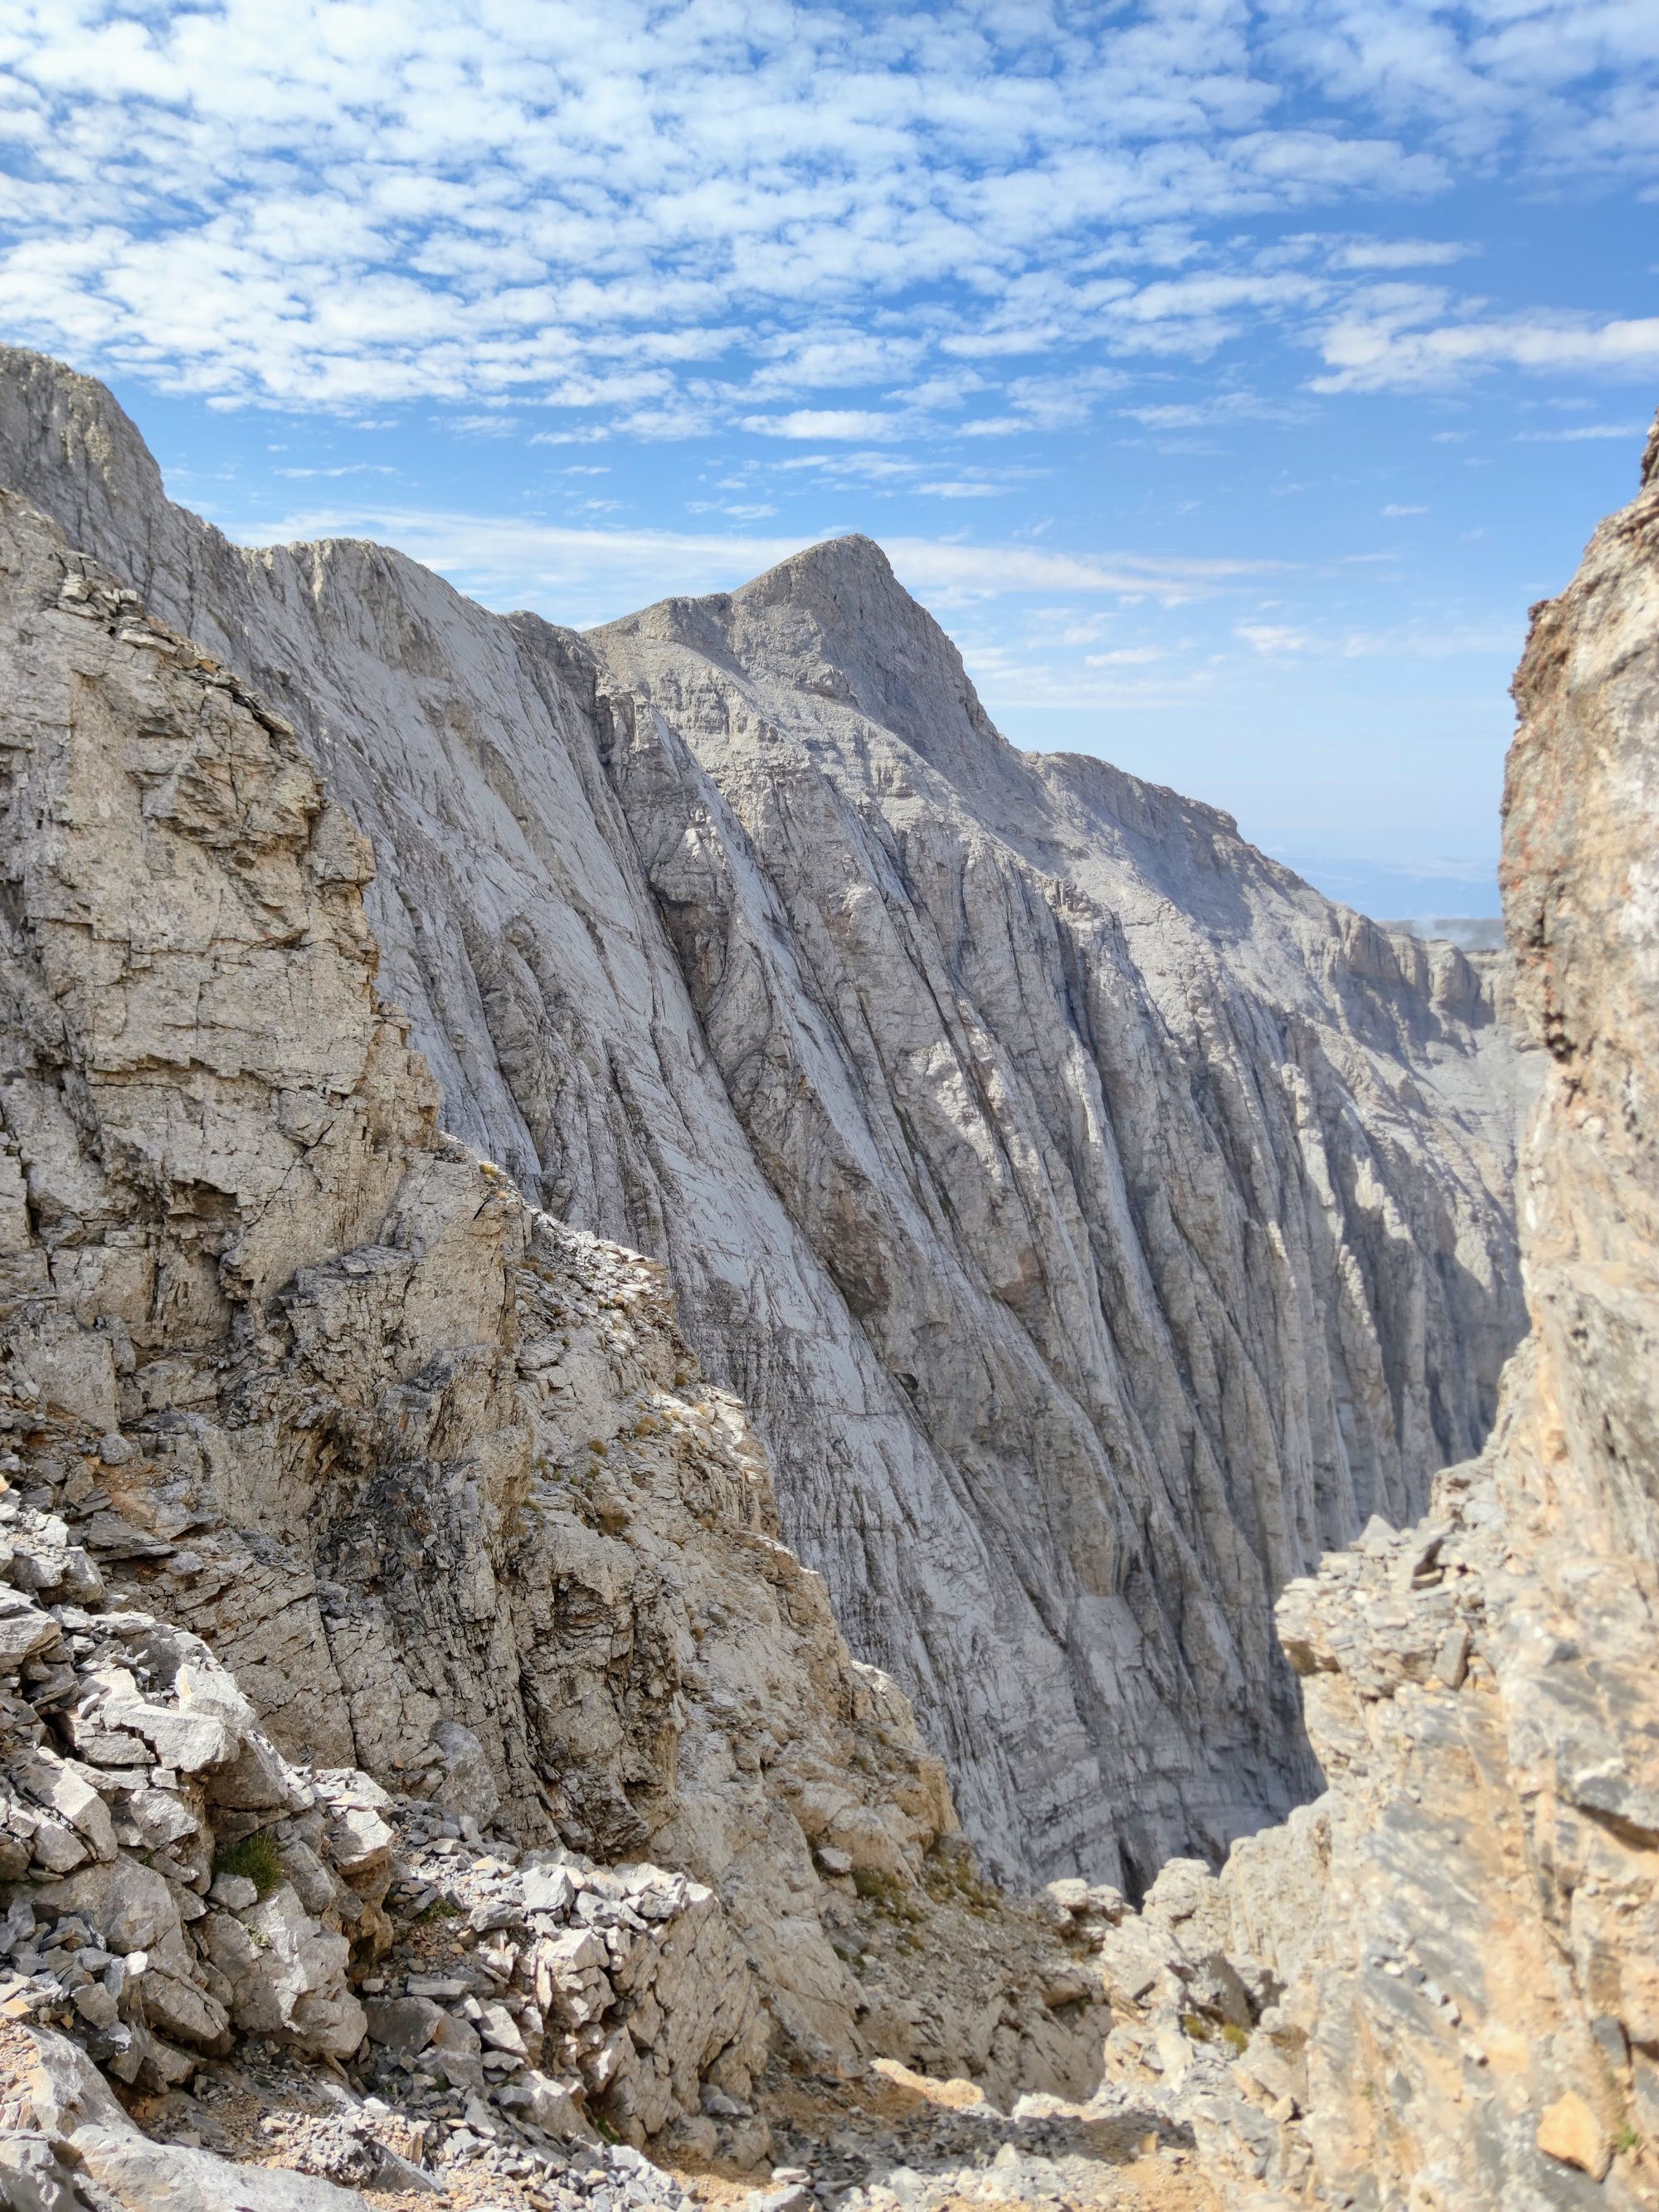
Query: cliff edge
{"x": 1460, "y": 1935}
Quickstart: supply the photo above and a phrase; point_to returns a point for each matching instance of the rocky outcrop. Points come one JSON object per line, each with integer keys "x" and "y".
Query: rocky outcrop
{"x": 1435, "y": 1988}
{"x": 295, "y": 1385}
{"x": 1096, "y": 1223}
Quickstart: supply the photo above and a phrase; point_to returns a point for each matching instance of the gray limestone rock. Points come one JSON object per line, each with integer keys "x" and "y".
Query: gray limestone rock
{"x": 1462, "y": 1932}
{"x": 436, "y": 1453}
{"x": 1096, "y": 1222}
{"x": 151, "y": 2177}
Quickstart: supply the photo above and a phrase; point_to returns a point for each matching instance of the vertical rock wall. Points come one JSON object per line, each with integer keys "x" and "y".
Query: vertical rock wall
{"x": 1452, "y": 1951}
{"x": 289, "y": 1377}
{"x": 1096, "y": 1222}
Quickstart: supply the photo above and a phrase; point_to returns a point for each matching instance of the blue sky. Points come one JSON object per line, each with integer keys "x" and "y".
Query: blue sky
{"x": 1228, "y": 379}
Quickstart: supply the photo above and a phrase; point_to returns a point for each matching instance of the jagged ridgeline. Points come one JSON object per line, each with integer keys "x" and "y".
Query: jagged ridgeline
{"x": 1095, "y": 1222}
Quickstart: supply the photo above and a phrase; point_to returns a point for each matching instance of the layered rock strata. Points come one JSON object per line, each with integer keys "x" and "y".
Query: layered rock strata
{"x": 1165, "y": 1188}
{"x": 289, "y": 1375}
{"x": 1096, "y": 1222}
{"x": 1435, "y": 1990}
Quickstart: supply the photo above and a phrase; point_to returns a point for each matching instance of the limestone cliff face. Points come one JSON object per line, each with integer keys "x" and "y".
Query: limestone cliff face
{"x": 1163, "y": 1187}
{"x": 1457, "y": 1943}
{"x": 1096, "y": 1222}
{"x": 290, "y": 1370}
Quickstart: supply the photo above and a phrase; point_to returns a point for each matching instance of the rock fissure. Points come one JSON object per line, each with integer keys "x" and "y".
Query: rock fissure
{"x": 425, "y": 1769}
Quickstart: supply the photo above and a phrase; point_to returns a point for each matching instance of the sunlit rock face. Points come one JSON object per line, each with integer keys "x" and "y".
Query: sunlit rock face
{"x": 1445, "y": 1966}
{"x": 336, "y": 1481}
{"x": 1096, "y": 1222}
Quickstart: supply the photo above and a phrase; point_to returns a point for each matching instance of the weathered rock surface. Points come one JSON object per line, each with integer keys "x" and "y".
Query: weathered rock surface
{"x": 291, "y": 1380}
{"x": 1164, "y": 1188}
{"x": 282, "y": 1366}
{"x": 1450, "y": 1958}
{"x": 1096, "y": 1222}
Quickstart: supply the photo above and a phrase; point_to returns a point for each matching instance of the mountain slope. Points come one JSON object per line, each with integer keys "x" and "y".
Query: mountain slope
{"x": 1165, "y": 1187}
{"x": 1458, "y": 1938}
{"x": 292, "y": 1382}
{"x": 1096, "y": 1222}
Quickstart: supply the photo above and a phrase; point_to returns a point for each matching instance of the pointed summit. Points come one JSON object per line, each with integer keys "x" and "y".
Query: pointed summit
{"x": 842, "y": 563}
{"x": 838, "y": 611}
{"x": 834, "y": 621}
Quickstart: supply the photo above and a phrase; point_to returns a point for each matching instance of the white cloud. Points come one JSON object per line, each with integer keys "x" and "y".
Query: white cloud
{"x": 1397, "y": 253}
{"x": 345, "y": 469}
{"x": 1205, "y": 414}
{"x": 752, "y": 511}
{"x": 1273, "y": 638}
{"x": 1014, "y": 677}
{"x": 1581, "y": 431}
{"x": 1405, "y": 643}
{"x": 1562, "y": 78}
{"x": 843, "y": 468}
{"x": 1427, "y": 643}
{"x": 844, "y": 356}
{"x": 1394, "y": 508}
{"x": 815, "y": 422}
{"x": 1399, "y": 342}
{"x": 589, "y": 434}
{"x": 665, "y": 218}
{"x": 946, "y": 389}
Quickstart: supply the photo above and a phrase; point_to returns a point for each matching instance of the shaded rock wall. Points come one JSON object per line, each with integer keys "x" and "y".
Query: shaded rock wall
{"x": 1163, "y": 1188}
{"x": 285, "y": 1366}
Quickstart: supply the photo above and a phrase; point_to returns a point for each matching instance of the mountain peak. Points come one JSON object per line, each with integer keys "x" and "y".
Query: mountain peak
{"x": 850, "y": 557}
{"x": 838, "y": 579}
{"x": 834, "y": 620}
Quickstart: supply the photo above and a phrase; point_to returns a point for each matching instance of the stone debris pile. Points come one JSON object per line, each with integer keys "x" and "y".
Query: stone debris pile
{"x": 345, "y": 1988}
{"x": 136, "y": 1784}
{"x": 894, "y": 2138}
{"x": 558, "y": 1988}
{"x": 174, "y": 1883}
{"x": 180, "y": 1900}
{"x": 267, "y": 2135}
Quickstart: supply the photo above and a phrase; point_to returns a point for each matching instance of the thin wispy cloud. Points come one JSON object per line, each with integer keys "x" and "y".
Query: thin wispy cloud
{"x": 343, "y": 469}
{"x": 1420, "y": 641}
{"x": 1410, "y": 340}
{"x": 1398, "y": 253}
{"x": 483, "y": 552}
{"x": 813, "y": 424}
{"x": 1626, "y": 433}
